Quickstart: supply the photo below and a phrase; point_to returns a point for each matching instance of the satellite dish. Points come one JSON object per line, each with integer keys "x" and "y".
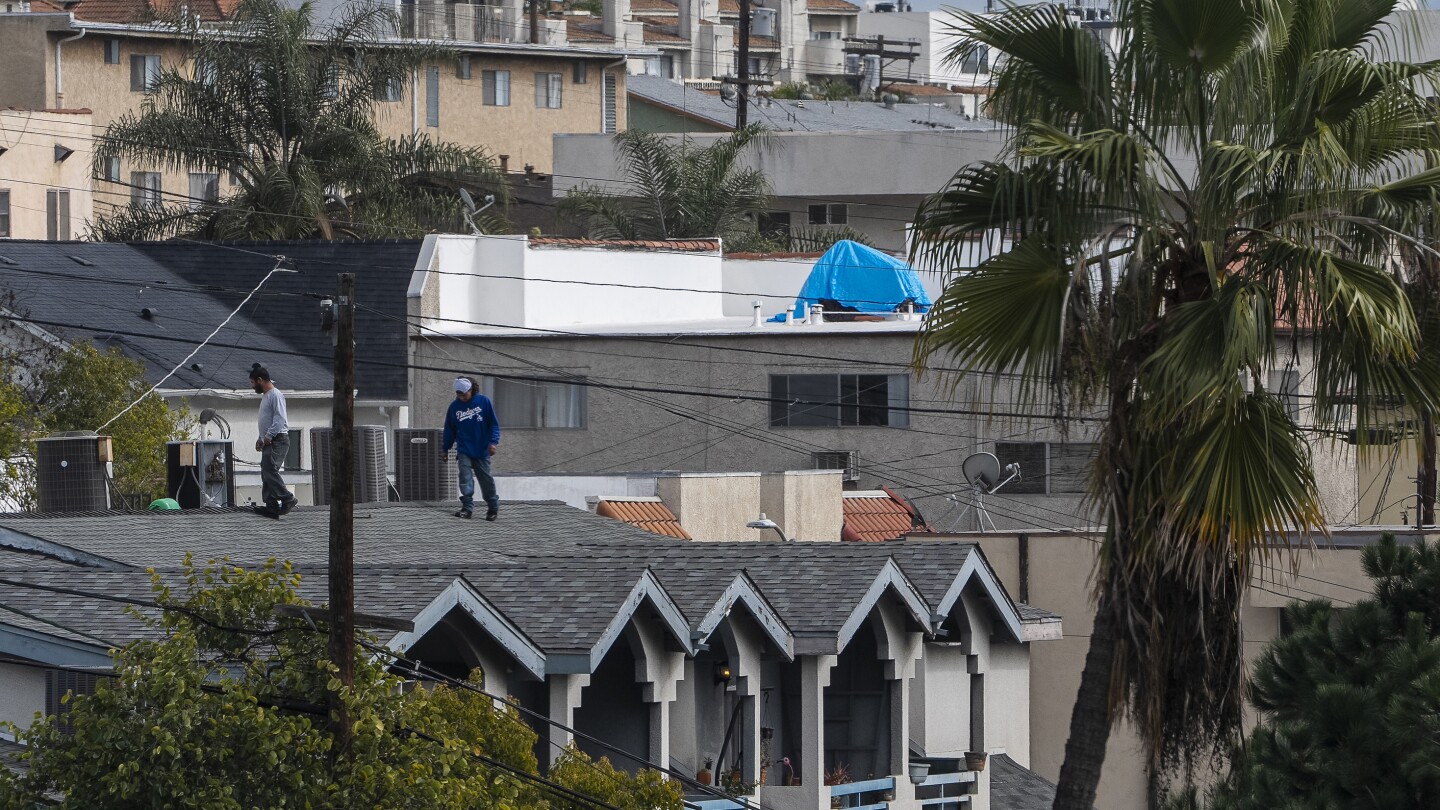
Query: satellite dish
{"x": 468, "y": 200}
{"x": 982, "y": 470}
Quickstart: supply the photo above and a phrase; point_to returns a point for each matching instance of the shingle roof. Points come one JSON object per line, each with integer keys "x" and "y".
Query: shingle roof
{"x": 650, "y": 514}
{"x": 831, "y": 7}
{"x": 878, "y": 515}
{"x": 9, "y": 756}
{"x": 800, "y": 116}
{"x": 1014, "y": 787}
{"x": 559, "y": 574}
{"x": 103, "y": 288}
{"x": 134, "y": 11}
{"x": 661, "y": 30}
{"x": 288, "y": 306}
{"x": 654, "y": 7}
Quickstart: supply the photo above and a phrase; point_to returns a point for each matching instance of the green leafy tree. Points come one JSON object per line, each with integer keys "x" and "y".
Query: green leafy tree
{"x": 1163, "y": 202}
{"x": 1350, "y": 701}
{"x": 645, "y": 790}
{"x": 284, "y": 108}
{"x": 81, "y": 388}
{"x": 224, "y": 707}
{"x": 676, "y": 189}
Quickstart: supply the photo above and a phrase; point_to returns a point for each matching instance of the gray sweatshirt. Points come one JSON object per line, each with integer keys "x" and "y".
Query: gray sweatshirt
{"x": 273, "y": 419}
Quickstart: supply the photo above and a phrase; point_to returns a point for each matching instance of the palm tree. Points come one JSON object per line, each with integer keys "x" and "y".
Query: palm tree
{"x": 676, "y": 190}
{"x": 1164, "y": 203}
{"x": 283, "y": 108}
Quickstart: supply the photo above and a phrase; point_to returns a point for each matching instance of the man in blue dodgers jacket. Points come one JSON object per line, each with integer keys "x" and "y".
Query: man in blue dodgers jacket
{"x": 472, "y": 429}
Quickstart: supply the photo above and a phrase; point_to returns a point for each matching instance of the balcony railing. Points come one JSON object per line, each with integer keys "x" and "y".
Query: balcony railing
{"x": 872, "y": 794}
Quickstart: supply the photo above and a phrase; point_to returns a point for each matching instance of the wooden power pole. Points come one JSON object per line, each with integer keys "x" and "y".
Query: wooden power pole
{"x": 742, "y": 98}
{"x": 535, "y": 21}
{"x": 342, "y": 512}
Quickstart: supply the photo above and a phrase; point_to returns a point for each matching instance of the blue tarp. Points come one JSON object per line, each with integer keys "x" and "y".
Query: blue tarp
{"x": 860, "y": 279}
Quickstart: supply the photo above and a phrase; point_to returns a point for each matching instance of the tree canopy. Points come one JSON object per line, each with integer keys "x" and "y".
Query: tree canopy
{"x": 1349, "y": 700}
{"x": 222, "y": 705}
{"x": 676, "y": 189}
{"x": 279, "y": 109}
{"x": 1183, "y": 199}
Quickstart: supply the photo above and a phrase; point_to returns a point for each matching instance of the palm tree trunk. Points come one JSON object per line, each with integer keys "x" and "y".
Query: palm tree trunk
{"x": 1090, "y": 719}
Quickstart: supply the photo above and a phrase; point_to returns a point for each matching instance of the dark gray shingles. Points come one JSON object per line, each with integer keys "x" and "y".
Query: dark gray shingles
{"x": 1014, "y": 787}
{"x": 289, "y": 304}
{"x": 10, "y": 752}
{"x": 103, "y": 300}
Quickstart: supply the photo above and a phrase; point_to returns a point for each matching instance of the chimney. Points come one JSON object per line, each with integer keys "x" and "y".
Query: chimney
{"x": 616, "y": 14}
{"x": 759, "y": 319}
{"x": 504, "y": 163}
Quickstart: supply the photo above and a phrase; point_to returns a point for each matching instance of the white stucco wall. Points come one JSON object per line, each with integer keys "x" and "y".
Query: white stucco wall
{"x": 940, "y": 701}
{"x": 504, "y": 281}
{"x": 22, "y": 694}
{"x": 1007, "y": 701}
{"x": 933, "y": 30}
{"x": 572, "y": 489}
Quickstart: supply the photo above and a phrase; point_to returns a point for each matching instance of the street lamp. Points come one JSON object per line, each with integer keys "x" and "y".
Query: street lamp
{"x": 763, "y": 522}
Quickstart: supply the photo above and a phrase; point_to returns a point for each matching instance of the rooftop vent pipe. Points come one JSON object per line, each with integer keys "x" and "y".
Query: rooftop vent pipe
{"x": 758, "y": 320}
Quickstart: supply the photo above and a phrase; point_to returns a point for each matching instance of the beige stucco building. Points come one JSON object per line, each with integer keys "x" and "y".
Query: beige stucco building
{"x": 45, "y": 189}
{"x": 58, "y": 60}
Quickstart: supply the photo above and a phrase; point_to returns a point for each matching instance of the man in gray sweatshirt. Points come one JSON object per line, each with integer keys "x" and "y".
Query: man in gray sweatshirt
{"x": 273, "y": 444}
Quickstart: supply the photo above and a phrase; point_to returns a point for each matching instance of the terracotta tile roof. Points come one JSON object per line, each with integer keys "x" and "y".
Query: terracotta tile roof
{"x": 730, "y": 7}
{"x": 686, "y": 245}
{"x": 650, "y": 514}
{"x": 132, "y": 11}
{"x": 654, "y": 6}
{"x": 759, "y": 43}
{"x": 659, "y": 29}
{"x": 584, "y": 28}
{"x": 832, "y": 6}
{"x": 876, "y": 516}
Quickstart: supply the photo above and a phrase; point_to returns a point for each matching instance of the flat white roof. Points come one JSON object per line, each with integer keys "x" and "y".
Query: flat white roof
{"x": 738, "y": 326}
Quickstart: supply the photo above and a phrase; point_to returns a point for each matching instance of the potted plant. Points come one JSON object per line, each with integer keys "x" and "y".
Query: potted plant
{"x": 975, "y": 760}
{"x": 838, "y": 775}
{"x": 704, "y": 777}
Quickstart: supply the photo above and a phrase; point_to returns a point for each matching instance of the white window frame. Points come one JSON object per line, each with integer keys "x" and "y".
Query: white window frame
{"x": 146, "y": 189}
{"x": 549, "y": 90}
{"x": 495, "y": 90}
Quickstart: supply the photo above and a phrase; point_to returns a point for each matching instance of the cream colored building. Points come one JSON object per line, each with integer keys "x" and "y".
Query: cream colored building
{"x": 507, "y": 98}
{"x": 1050, "y": 570}
{"x": 45, "y": 188}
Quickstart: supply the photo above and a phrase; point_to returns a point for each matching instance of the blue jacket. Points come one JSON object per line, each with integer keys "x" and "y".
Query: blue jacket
{"x": 472, "y": 426}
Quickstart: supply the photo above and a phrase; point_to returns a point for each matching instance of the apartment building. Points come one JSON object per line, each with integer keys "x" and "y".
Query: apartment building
{"x": 506, "y": 97}
{"x": 45, "y": 188}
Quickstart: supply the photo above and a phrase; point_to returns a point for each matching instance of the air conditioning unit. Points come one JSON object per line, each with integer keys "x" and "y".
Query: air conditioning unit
{"x": 847, "y": 460}
{"x": 870, "y": 73}
{"x": 762, "y": 22}
{"x": 420, "y": 474}
{"x": 200, "y": 473}
{"x": 72, "y": 472}
{"x": 371, "y": 483}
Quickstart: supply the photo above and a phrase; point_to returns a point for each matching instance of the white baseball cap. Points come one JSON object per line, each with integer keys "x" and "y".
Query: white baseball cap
{"x": 461, "y": 385}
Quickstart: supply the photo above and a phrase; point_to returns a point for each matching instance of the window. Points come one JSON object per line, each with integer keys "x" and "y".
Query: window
{"x": 497, "y": 87}
{"x": 432, "y": 97}
{"x": 330, "y": 82}
{"x": 580, "y": 73}
{"x": 4, "y": 212}
{"x": 145, "y": 189}
{"x": 530, "y": 404}
{"x": 975, "y": 59}
{"x": 755, "y": 66}
{"x": 390, "y": 90}
{"x": 462, "y": 69}
{"x": 205, "y": 70}
{"x": 830, "y": 214}
{"x": 547, "y": 90}
{"x": 839, "y": 400}
{"x": 292, "y": 453}
{"x": 662, "y": 66}
{"x": 112, "y": 169}
{"x": 59, "y": 683}
{"x": 144, "y": 72}
{"x": 774, "y": 224}
{"x": 57, "y": 215}
{"x": 1285, "y": 384}
{"x": 824, "y": 34}
{"x": 608, "y": 124}
{"x": 112, "y": 51}
{"x": 204, "y": 189}
{"x": 1047, "y": 468}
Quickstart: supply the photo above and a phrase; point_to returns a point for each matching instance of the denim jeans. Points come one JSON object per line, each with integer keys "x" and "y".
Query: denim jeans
{"x": 272, "y": 484}
{"x": 471, "y": 468}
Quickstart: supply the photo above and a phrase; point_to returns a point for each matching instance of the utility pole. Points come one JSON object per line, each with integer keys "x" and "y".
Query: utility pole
{"x": 535, "y": 21}
{"x": 742, "y": 99}
{"x": 342, "y": 513}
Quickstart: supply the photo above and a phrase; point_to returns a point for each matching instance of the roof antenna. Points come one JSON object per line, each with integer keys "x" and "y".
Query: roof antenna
{"x": 982, "y": 472}
{"x": 471, "y": 210}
